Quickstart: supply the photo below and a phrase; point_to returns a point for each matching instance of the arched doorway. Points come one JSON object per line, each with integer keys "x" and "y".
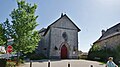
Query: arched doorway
{"x": 64, "y": 52}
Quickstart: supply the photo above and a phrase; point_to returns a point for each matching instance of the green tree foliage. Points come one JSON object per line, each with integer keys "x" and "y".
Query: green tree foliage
{"x": 103, "y": 53}
{"x": 117, "y": 51}
{"x": 2, "y": 42}
{"x": 5, "y": 32}
{"x": 23, "y": 24}
{"x": 96, "y": 47}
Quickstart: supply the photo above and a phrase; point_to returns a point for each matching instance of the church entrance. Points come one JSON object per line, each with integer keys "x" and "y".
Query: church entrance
{"x": 64, "y": 52}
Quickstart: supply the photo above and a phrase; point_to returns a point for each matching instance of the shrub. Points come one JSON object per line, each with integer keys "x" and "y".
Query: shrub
{"x": 102, "y": 54}
{"x": 10, "y": 64}
{"x": 3, "y": 62}
{"x": 37, "y": 57}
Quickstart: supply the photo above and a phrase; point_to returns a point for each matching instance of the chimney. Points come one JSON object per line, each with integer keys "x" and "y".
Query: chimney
{"x": 103, "y": 31}
{"x": 61, "y": 14}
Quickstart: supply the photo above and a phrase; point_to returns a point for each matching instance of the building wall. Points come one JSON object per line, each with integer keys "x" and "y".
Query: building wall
{"x": 54, "y": 39}
{"x": 47, "y": 44}
{"x": 43, "y": 47}
{"x": 110, "y": 42}
{"x": 64, "y": 22}
{"x": 57, "y": 40}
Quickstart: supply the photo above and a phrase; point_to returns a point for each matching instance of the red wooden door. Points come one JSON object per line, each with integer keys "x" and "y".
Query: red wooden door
{"x": 64, "y": 52}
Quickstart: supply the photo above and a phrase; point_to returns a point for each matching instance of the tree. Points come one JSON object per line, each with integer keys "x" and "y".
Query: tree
{"x": 6, "y": 31}
{"x": 2, "y": 42}
{"x": 23, "y": 24}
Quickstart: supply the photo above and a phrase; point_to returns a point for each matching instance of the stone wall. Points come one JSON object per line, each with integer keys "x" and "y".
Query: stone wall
{"x": 111, "y": 42}
{"x": 64, "y": 22}
{"x": 43, "y": 47}
{"x": 47, "y": 44}
{"x": 57, "y": 40}
{"x": 62, "y": 31}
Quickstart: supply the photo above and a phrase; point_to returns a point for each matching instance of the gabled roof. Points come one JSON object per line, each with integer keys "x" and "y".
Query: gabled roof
{"x": 58, "y": 20}
{"x": 108, "y": 34}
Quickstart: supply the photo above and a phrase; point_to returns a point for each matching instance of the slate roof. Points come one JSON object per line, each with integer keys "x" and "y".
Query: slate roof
{"x": 113, "y": 31}
{"x": 42, "y": 30}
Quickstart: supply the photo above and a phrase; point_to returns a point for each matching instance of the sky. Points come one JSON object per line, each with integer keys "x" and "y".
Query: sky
{"x": 91, "y": 16}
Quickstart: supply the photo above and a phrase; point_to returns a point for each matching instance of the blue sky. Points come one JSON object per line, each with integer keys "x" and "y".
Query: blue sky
{"x": 91, "y": 16}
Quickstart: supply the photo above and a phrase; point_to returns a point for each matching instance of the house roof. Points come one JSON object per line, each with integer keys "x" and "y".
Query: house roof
{"x": 42, "y": 30}
{"x": 113, "y": 31}
{"x": 58, "y": 20}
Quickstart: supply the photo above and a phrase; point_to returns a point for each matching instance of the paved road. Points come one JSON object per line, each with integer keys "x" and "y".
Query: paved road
{"x": 64, "y": 63}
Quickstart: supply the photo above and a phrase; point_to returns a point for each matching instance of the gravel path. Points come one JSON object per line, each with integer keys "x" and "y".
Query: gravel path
{"x": 64, "y": 63}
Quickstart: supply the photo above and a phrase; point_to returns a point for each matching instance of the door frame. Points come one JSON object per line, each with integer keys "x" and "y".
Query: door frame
{"x": 68, "y": 48}
{"x": 64, "y": 54}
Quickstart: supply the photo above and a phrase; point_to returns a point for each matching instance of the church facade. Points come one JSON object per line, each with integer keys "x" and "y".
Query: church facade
{"x": 59, "y": 40}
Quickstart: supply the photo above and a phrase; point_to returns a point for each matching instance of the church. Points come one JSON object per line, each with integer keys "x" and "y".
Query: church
{"x": 59, "y": 40}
